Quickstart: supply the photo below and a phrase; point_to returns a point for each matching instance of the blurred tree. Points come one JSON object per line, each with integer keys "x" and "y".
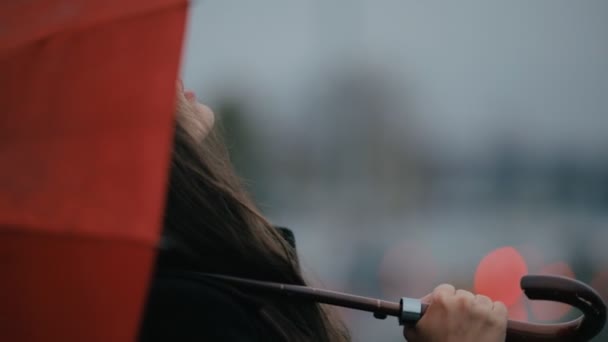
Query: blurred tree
{"x": 242, "y": 144}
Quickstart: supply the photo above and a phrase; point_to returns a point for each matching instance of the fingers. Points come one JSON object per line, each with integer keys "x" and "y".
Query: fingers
{"x": 500, "y": 308}
{"x": 479, "y": 307}
{"x": 442, "y": 293}
{"x": 427, "y": 299}
{"x": 447, "y": 296}
{"x": 445, "y": 288}
{"x": 439, "y": 303}
{"x": 499, "y": 315}
{"x": 495, "y": 313}
{"x": 483, "y": 300}
{"x": 441, "y": 290}
{"x": 464, "y": 299}
{"x": 459, "y": 315}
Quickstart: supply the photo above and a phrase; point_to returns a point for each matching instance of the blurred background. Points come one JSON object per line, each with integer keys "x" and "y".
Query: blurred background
{"x": 410, "y": 143}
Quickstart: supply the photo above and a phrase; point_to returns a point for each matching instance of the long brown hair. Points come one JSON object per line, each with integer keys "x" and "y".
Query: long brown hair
{"x": 216, "y": 226}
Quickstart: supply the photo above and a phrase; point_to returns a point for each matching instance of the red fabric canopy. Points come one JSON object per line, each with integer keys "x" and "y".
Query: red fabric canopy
{"x": 87, "y": 101}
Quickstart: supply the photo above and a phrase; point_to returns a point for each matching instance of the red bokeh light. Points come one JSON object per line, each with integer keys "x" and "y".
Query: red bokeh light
{"x": 551, "y": 311}
{"x": 519, "y": 311}
{"x": 499, "y": 273}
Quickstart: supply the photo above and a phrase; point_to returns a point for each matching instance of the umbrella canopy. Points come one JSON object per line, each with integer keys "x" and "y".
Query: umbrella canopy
{"x": 87, "y": 101}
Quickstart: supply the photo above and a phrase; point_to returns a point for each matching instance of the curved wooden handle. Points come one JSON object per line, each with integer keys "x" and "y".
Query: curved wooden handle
{"x": 564, "y": 290}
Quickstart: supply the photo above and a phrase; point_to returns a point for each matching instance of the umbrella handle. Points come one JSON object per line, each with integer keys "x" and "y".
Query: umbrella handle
{"x": 410, "y": 310}
{"x": 564, "y": 290}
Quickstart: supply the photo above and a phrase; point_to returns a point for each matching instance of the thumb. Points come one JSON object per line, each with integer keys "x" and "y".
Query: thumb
{"x": 428, "y": 299}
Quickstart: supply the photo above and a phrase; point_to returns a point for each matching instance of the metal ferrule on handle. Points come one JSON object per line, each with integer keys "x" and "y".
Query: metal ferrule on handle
{"x": 411, "y": 310}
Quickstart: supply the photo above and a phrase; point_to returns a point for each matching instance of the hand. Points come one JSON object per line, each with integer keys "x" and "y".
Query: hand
{"x": 459, "y": 316}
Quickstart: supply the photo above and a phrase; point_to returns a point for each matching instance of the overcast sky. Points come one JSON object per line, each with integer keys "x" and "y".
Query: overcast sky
{"x": 534, "y": 71}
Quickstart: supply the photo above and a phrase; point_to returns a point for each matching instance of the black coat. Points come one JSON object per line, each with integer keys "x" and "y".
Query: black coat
{"x": 183, "y": 311}
{"x": 187, "y": 310}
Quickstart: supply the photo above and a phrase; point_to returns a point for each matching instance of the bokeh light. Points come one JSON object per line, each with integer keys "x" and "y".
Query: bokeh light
{"x": 547, "y": 310}
{"x": 519, "y": 310}
{"x": 408, "y": 269}
{"x": 499, "y": 273}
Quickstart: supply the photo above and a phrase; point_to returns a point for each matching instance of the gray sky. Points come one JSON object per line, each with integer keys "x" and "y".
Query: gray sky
{"x": 533, "y": 71}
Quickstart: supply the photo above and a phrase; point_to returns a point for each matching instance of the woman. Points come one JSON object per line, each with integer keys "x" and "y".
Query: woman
{"x": 211, "y": 225}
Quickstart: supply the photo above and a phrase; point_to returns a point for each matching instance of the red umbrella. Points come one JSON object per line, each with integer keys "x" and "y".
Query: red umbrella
{"x": 87, "y": 98}
{"x": 87, "y": 94}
